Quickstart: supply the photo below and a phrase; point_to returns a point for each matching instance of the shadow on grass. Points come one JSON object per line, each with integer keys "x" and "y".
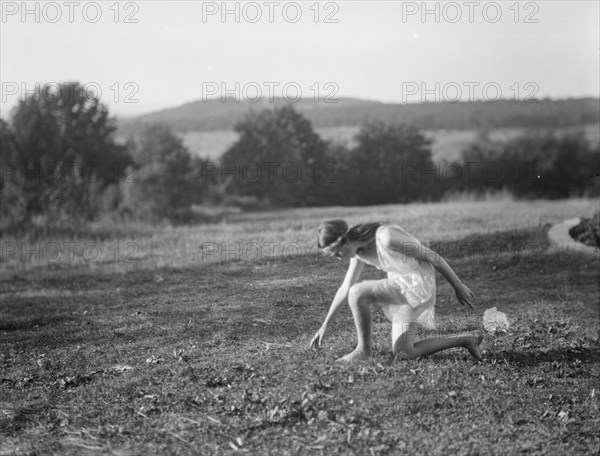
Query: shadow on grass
{"x": 526, "y": 358}
{"x": 33, "y": 323}
{"x": 520, "y": 244}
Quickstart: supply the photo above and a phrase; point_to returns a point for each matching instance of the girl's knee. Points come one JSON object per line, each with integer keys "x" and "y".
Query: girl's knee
{"x": 359, "y": 292}
{"x": 405, "y": 345}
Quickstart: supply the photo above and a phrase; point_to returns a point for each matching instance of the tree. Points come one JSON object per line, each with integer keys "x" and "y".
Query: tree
{"x": 165, "y": 184}
{"x": 13, "y": 205}
{"x": 390, "y": 164}
{"x": 277, "y": 159}
{"x": 67, "y": 154}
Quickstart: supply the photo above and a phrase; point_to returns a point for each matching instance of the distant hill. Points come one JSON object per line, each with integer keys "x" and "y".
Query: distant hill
{"x": 214, "y": 115}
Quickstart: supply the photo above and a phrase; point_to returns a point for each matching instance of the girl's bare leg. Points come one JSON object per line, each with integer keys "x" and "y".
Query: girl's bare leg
{"x": 359, "y": 300}
{"x": 404, "y": 339}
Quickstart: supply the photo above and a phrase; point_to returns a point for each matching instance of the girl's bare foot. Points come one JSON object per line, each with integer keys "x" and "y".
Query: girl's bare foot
{"x": 473, "y": 346}
{"x": 356, "y": 355}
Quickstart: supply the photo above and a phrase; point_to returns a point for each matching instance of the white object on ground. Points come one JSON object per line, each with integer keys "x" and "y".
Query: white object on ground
{"x": 494, "y": 320}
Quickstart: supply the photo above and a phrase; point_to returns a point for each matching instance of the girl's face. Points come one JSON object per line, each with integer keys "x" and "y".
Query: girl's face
{"x": 347, "y": 250}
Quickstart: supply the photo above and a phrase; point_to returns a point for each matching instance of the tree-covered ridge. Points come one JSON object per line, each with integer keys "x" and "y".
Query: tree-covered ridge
{"x": 218, "y": 115}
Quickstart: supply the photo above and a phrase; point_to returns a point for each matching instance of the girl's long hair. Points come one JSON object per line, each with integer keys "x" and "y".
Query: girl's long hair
{"x": 337, "y": 232}
{"x": 363, "y": 231}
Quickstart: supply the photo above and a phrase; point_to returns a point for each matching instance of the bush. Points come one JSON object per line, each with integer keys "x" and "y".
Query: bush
{"x": 587, "y": 230}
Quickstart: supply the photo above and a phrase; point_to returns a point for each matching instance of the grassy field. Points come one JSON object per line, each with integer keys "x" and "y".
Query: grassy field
{"x": 264, "y": 235}
{"x": 188, "y": 352}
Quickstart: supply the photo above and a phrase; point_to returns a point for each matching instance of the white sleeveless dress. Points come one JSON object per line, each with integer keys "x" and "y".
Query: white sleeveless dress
{"x": 410, "y": 281}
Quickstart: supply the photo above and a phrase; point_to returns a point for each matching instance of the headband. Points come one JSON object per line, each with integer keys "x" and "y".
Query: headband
{"x": 334, "y": 245}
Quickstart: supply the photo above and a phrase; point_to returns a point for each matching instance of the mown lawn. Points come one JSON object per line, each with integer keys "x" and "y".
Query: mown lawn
{"x": 213, "y": 358}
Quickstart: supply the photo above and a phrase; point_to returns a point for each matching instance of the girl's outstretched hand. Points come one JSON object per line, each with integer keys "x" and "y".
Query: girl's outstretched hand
{"x": 464, "y": 295}
{"x": 317, "y": 340}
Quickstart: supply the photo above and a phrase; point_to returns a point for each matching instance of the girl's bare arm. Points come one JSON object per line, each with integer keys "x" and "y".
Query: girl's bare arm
{"x": 396, "y": 240}
{"x": 341, "y": 297}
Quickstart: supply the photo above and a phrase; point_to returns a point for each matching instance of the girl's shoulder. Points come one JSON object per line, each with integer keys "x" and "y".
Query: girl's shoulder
{"x": 388, "y": 232}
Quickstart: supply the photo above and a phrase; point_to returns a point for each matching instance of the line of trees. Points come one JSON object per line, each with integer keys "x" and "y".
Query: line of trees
{"x": 307, "y": 171}
{"x": 530, "y": 166}
{"x": 392, "y": 163}
{"x": 60, "y": 164}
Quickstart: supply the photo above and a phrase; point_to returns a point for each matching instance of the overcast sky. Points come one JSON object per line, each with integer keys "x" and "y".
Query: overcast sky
{"x": 160, "y": 54}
